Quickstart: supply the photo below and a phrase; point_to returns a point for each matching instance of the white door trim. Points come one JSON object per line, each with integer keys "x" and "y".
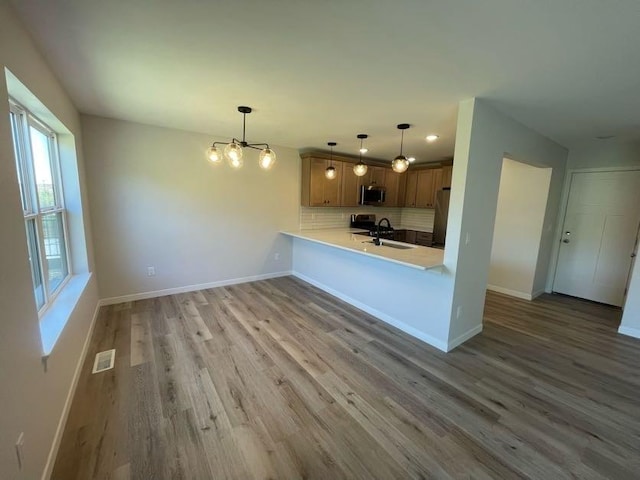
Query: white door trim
{"x": 564, "y": 202}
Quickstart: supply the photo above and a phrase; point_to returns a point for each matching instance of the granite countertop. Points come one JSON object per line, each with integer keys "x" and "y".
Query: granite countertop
{"x": 423, "y": 258}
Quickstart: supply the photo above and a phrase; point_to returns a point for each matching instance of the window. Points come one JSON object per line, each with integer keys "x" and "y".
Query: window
{"x": 38, "y": 166}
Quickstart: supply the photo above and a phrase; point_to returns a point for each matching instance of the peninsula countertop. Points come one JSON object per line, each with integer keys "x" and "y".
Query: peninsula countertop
{"x": 415, "y": 256}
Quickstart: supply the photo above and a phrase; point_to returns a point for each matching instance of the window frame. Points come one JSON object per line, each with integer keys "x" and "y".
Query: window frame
{"x": 22, "y": 120}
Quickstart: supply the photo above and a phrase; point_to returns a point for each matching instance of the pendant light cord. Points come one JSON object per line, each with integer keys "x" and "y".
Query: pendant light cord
{"x": 401, "y": 141}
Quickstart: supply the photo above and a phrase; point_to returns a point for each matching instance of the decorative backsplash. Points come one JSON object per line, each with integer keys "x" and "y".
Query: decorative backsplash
{"x": 312, "y": 218}
{"x": 418, "y": 218}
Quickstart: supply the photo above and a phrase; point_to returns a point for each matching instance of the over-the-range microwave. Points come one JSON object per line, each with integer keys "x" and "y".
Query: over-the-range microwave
{"x": 372, "y": 195}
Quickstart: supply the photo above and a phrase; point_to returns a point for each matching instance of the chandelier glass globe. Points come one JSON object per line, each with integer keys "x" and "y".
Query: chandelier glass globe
{"x": 233, "y": 154}
{"x": 214, "y": 155}
{"x": 267, "y": 159}
{"x": 360, "y": 169}
{"x": 330, "y": 172}
{"x": 400, "y": 164}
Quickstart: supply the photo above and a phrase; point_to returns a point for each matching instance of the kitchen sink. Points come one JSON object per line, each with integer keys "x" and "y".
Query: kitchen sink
{"x": 396, "y": 245}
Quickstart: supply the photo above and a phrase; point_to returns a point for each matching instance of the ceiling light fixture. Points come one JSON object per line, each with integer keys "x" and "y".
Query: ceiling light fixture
{"x": 330, "y": 172}
{"x": 360, "y": 168}
{"x": 233, "y": 150}
{"x": 411, "y": 159}
{"x": 432, "y": 138}
{"x": 400, "y": 163}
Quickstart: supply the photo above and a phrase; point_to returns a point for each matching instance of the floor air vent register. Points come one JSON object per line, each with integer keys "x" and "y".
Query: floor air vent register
{"x": 104, "y": 361}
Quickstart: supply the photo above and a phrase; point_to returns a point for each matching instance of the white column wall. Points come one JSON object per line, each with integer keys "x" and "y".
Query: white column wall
{"x": 484, "y": 137}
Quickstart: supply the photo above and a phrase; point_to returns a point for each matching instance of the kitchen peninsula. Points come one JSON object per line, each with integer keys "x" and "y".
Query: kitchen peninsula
{"x": 413, "y": 256}
{"x": 409, "y": 288}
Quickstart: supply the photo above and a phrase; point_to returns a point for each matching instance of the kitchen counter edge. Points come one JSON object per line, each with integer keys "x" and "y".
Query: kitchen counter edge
{"x": 343, "y": 239}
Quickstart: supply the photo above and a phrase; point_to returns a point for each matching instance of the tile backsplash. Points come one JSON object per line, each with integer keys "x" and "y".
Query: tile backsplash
{"x": 417, "y": 218}
{"x": 312, "y": 218}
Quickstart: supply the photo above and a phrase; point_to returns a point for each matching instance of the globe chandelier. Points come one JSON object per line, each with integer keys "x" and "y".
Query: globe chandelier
{"x": 233, "y": 150}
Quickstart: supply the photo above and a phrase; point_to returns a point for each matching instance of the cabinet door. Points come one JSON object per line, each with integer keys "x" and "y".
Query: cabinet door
{"x": 447, "y": 170}
{"x": 322, "y": 191}
{"x": 424, "y": 238}
{"x": 316, "y": 182}
{"x": 411, "y": 189}
{"x": 377, "y": 175}
{"x": 350, "y": 186}
{"x": 393, "y": 184}
{"x": 400, "y": 235}
{"x": 428, "y": 184}
{"x": 333, "y": 188}
{"x": 424, "y": 193}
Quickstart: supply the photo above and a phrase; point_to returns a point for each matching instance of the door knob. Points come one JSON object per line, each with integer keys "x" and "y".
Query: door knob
{"x": 566, "y": 240}
{"x": 633, "y": 255}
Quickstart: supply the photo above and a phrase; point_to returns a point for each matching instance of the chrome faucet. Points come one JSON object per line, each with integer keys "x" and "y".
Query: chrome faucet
{"x": 377, "y": 239}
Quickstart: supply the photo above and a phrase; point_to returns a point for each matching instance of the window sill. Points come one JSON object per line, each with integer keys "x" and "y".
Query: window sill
{"x": 55, "y": 318}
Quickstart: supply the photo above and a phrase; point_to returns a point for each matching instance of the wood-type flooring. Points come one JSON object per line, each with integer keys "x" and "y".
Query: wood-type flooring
{"x": 279, "y": 380}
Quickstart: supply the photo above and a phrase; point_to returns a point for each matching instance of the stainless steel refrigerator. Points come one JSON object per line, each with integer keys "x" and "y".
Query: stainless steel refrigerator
{"x": 441, "y": 216}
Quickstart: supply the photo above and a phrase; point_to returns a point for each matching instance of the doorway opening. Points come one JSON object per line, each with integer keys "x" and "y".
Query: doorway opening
{"x": 519, "y": 230}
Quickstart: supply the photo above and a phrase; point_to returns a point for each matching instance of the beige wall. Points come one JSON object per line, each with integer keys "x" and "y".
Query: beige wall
{"x": 519, "y": 226}
{"x": 32, "y": 400}
{"x": 483, "y": 138}
{"x": 604, "y": 153}
{"x": 156, "y": 201}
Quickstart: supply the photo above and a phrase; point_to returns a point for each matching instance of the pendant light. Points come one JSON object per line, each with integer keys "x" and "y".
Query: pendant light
{"x": 360, "y": 168}
{"x": 330, "y": 172}
{"x": 400, "y": 163}
{"x": 233, "y": 149}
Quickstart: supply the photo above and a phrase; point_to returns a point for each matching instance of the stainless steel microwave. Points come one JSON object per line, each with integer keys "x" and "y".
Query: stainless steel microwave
{"x": 372, "y": 195}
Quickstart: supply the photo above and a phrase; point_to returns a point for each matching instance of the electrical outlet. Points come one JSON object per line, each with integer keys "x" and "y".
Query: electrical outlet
{"x": 459, "y": 311}
{"x": 151, "y": 271}
{"x": 276, "y": 256}
{"x": 467, "y": 239}
{"x": 20, "y": 450}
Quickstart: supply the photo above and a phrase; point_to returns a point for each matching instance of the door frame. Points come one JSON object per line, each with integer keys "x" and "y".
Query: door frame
{"x": 564, "y": 203}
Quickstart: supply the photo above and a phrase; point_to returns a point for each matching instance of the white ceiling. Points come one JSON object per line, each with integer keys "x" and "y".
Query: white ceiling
{"x": 322, "y": 70}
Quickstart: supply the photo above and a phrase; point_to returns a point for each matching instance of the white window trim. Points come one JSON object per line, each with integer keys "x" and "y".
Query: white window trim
{"x": 25, "y": 120}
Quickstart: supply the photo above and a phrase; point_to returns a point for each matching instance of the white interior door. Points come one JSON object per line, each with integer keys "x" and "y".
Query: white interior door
{"x": 598, "y": 236}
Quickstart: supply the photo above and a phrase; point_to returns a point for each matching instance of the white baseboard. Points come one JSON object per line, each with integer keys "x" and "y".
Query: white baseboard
{"x": 535, "y": 295}
{"x": 434, "y": 342}
{"x": 632, "y": 332}
{"x": 53, "y": 452}
{"x": 511, "y": 293}
{"x": 189, "y": 288}
{"x": 460, "y": 339}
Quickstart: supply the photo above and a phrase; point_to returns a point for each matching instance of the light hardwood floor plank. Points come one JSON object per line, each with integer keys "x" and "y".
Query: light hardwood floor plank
{"x": 277, "y": 379}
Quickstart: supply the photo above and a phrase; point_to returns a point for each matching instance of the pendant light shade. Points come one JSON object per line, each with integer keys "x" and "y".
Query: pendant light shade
{"x": 400, "y": 164}
{"x": 360, "y": 168}
{"x": 331, "y": 172}
{"x": 267, "y": 159}
{"x": 233, "y": 154}
{"x": 214, "y": 155}
{"x": 233, "y": 151}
